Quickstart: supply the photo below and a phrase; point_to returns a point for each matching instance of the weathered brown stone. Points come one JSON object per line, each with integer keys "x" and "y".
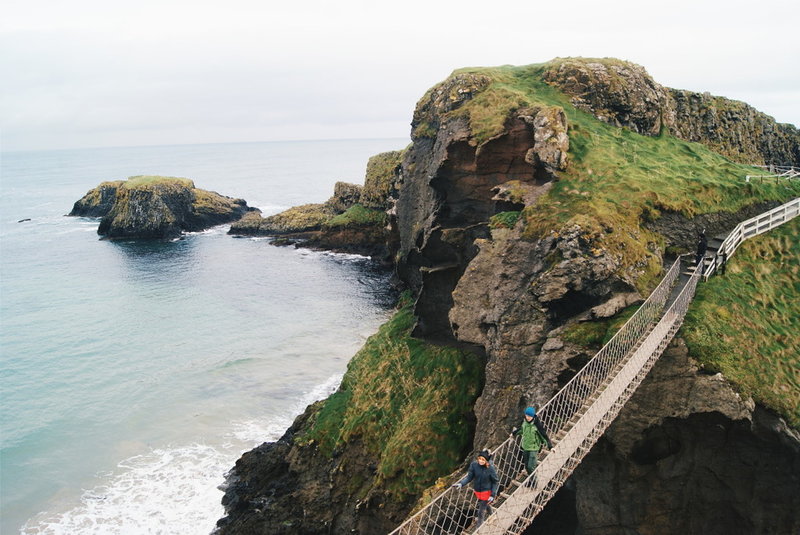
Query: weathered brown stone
{"x": 623, "y": 94}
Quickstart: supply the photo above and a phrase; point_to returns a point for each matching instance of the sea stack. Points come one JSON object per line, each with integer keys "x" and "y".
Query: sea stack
{"x": 156, "y": 207}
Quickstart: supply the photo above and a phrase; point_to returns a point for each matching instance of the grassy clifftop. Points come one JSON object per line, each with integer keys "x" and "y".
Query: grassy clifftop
{"x": 745, "y": 323}
{"x": 616, "y": 179}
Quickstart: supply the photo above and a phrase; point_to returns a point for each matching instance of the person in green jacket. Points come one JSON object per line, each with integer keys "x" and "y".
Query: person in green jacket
{"x": 534, "y": 437}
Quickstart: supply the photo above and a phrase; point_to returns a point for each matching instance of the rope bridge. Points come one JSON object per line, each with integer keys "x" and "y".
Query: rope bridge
{"x": 580, "y": 412}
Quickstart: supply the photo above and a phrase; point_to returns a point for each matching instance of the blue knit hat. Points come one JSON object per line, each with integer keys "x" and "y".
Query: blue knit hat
{"x": 530, "y": 411}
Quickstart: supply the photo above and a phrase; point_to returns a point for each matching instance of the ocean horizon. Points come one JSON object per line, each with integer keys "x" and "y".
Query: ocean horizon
{"x": 135, "y": 373}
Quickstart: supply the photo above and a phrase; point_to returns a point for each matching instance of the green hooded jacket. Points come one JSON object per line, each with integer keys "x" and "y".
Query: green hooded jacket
{"x": 532, "y": 438}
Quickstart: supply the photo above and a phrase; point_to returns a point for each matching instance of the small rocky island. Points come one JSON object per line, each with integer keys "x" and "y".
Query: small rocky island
{"x": 156, "y": 207}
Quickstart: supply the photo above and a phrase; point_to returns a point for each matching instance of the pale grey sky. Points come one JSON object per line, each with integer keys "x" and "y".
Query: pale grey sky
{"x": 86, "y": 73}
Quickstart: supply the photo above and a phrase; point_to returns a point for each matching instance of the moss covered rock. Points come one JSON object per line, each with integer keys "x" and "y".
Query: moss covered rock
{"x": 156, "y": 207}
{"x": 381, "y": 183}
{"x": 345, "y": 195}
{"x": 353, "y": 220}
{"x": 98, "y": 201}
{"x": 296, "y": 220}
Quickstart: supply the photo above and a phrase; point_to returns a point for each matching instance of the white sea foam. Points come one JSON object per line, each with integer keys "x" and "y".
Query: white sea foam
{"x": 169, "y": 491}
{"x": 218, "y": 229}
{"x": 332, "y": 254}
{"x": 255, "y": 432}
{"x": 173, "y": 490}
{"x": 345, "y": 256}
{"x": 323, "y": 390}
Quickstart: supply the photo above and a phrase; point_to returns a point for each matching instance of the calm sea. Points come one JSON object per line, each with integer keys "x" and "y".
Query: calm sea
{"x": 134, "y": 374}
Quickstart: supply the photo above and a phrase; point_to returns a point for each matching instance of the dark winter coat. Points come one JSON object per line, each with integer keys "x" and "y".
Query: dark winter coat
{"x": 483, "y": 477}
{"x": 702, "y": 245}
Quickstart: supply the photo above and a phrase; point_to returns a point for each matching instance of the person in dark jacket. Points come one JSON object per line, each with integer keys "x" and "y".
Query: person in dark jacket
{"x": 534, "y": 437}
{"x": 702, "y": 245}
{"x": 484, "y": 483}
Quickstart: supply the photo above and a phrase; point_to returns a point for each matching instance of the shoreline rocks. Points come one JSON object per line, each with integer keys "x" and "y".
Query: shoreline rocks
{"x": 354, "y": 220}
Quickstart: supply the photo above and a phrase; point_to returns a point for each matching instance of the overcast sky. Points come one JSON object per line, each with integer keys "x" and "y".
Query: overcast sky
{"x": 87, "y": 73}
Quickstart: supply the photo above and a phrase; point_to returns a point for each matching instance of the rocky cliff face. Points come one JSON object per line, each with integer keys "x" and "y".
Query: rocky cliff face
{"x": 516, "y": 297}
{"x": 488, "y": 273}
{"x": 623, "y": 94}
{"x": 156, "y": 207}
{"x": 453, "y": 186}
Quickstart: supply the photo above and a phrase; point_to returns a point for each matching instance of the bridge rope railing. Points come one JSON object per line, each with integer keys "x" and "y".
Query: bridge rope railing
{"x": 516, "y": 513}
{"x": 452, "y": 509}
{"x": 578, "y": 414}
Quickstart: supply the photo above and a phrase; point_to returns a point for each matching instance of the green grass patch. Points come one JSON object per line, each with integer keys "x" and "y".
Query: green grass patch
{"x": 504, "y": 220}
{"x": 409, "y": 402}
{"x": 209, "y": 202}
{"x": 151, "y": 180}
{"x": 586, "y": 333}
{"x": 357, "y": 215}
{"x": 745, "y": 323}
{"x": 595, "y": 334}
{"x": 298, "y": 218}
{"x": 380, "y": 178}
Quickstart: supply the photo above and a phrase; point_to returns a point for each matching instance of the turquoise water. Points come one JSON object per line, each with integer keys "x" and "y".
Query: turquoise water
{"x": 134, "y": 374}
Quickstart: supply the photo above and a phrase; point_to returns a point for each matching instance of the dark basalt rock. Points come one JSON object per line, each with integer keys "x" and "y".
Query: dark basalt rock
{"x": 366, "y": 240}
{"x": 282, "y": 488}
{"x": 97, "y": 202}
{"x": 156, "y": 207}
{"x": 687, "y": 454}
